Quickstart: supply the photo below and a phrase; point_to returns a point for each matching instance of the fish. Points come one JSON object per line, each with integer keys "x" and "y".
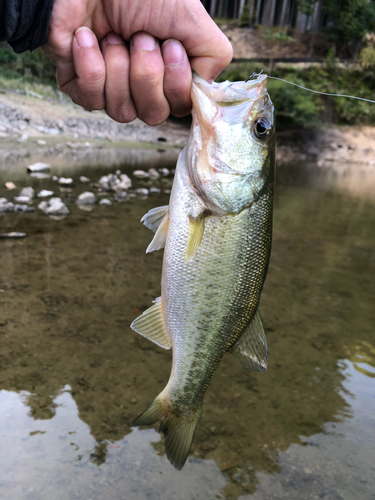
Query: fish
{"x": 216, "y": 233}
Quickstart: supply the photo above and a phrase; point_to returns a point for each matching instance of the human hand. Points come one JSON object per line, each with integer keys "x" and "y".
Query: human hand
{"x": 130, "y": 74}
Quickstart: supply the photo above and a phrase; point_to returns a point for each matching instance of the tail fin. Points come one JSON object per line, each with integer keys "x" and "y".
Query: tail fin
{"x": 178, "y": 428}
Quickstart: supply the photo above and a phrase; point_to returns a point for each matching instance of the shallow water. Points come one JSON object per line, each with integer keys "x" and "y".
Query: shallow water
{"x": 73, "y": 375}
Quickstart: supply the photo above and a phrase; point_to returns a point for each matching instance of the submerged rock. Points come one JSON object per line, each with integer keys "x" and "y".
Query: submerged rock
{"x": 105, "y": 202}
{"x": 142, "y": 192}
{"x": 54, "y": 206}
{"x": 13, "y": 235}
{"x": 164, "y": 172}
{"x": 23, "y": 208}
{"x": 154, "y": 174}
{"x": 141, "y": 174}
{"x": 155, "y": 190}
{"x": 6, "y": 206}
{"x": 44, "y": 193}
{"x": 84, "y": 179}
{"x": 122, "y": 196}
{"x": 86, "y": 198}
{"x": 22, "y": 199}
{"x": 104, "y": 182}
{"x": 10, "y": 185}
{"x": 66, "y": 181}
{"x": 39, "y": 167}
{"x": 27, "y": 192}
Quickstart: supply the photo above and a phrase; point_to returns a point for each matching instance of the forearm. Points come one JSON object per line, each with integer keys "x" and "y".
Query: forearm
{"x": 24, "y": 23}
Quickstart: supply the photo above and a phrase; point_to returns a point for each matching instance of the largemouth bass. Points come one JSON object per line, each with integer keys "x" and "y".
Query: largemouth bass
{"x": 217, "y": 235}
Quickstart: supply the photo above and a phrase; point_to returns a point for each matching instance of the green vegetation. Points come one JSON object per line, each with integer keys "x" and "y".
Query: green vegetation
{"x": 29, "y": 67}
{"x": 277, "y": 34}
{"x": 349, "y": 21}
{"x": 298, "y": 108}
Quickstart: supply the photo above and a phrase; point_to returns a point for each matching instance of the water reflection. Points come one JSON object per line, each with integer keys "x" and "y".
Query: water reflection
{"x": 73, "y": 375}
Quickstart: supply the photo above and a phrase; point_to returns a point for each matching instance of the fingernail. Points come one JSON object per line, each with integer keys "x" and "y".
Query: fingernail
{"x": 143, "y": 41}
{"x": 114, "y": 39}
{"x": 85, "y": 37}
{"x": 172, "y": 53}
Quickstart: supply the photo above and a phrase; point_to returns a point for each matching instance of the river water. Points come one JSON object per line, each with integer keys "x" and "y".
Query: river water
{"x": 73, "y": 375}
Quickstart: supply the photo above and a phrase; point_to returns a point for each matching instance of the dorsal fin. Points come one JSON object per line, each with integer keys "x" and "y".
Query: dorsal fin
{"x": 151, "y": 325}
{"x": 154, "y": 217}
{"x": 251, "y": 348}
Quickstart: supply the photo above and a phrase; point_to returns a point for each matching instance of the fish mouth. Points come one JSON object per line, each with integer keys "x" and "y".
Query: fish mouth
{"x": 227, "y": 93}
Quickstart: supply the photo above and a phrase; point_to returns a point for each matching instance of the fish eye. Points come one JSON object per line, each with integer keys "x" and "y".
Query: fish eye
{"x": 262, "y": 128}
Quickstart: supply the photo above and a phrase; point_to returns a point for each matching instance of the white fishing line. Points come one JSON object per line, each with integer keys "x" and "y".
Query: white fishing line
{"x": 322, "y": 93}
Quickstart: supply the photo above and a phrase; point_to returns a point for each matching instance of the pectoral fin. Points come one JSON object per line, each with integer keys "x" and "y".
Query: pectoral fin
{"x": 151, "y": 325}
{"x": 251, "y": 348}
{"x": 154, "y": 217}
{"x": 196, "y": 230}
{"x": 158, "y": 241}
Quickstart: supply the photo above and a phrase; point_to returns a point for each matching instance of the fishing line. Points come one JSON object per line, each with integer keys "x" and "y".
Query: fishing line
{"x": 318, "y": 92}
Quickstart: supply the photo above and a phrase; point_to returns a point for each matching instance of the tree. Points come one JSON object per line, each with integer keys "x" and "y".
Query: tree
{"x": 350, "y": 21}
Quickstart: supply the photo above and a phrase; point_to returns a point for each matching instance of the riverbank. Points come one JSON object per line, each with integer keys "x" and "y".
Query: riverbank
{"x": 31, "y": 127}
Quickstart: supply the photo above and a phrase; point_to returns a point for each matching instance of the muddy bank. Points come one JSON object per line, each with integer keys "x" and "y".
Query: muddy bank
{"x": 31, "y": 128}
{"x": 344, "y": 145}
{"x": 25, "y": 118}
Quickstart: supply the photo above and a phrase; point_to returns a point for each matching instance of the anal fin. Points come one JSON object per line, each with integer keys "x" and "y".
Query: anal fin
{"x": 151, "y": 325}
{"x": 251, "y": 348}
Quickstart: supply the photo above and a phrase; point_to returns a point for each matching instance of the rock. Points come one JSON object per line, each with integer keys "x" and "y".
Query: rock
{"x": 142, "y": 192}
{"x": 22, "y": 199}
{"x": 154, "y": 174}
{"x": 86, "y": 198}
{"x": 118, "y": 172}
{"x": 40, "y": 175}
{"x": 164, "y": 172}
{"x": 41, "y": 142}
{"x": 23, "y": 208}
{"x": 84, "y": 179}
{"x": 10, "y": 185}
{"x": 66, "y": 181}
{"x": 27, "y": 192}
{"x": 55, "y": 178}
{"x": 141, "y": 174}
{"x": 106, "y": 202}
{"x": 113, "y": 180}
{"x": 54, "y": 206}
{"x": 85, "y": 208}
{"x": 126, "y": 180}
{"x": 23, "y": 138}
{"x": 155, "y": 190}
{"x": 12, "y": 235}
{"x": 122, "y": 196}
{"x": 44, "y": 193}
{"x": 39, "y": 167}
{"x": 104, "y": 182}
{"x": 123, "y": 184}
{"x": 6, "y": 206}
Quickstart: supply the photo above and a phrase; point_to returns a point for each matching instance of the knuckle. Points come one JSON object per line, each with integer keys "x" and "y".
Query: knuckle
{"x": 122, "y": 115}
{"x": 153, "y": 119}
